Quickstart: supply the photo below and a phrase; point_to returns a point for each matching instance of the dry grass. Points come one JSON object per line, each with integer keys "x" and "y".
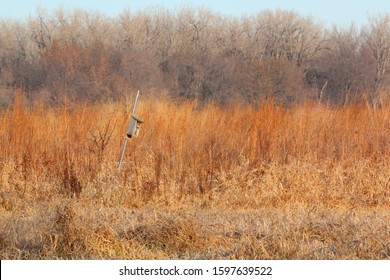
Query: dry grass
{"x": 308, "y": 182}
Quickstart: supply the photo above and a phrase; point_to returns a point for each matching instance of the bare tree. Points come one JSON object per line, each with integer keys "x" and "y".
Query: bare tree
{"x": 287, "y": 35}
{"x": 42, "y": 28}
{"x": 342, "y": 69}
{"x": 377, "y": 39}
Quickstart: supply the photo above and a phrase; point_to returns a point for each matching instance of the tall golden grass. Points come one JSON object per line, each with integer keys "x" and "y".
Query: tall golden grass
{"x": 305, "y": 182}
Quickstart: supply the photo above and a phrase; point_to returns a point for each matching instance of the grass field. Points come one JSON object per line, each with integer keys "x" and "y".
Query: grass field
{"x": 200, "y": 182}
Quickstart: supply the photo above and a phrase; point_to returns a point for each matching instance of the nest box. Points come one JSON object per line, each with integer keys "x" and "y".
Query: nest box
{"x": 133, "y": 128}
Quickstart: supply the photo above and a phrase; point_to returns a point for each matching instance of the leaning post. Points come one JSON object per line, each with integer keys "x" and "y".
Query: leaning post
{"x": 132, "y": 129}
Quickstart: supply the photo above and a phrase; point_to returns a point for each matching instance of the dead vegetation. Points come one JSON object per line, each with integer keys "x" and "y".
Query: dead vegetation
{"x": 305, "y": 182}
{"x": 192, "y": 53}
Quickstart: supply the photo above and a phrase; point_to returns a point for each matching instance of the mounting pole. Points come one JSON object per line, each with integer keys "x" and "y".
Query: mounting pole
{"x": 122, "y": 154}
{"x": 128, "y": 136}
{"x": 135, "y": 103}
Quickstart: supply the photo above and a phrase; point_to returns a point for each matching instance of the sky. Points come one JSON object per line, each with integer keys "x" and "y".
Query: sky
{"x": 339, "y": 12}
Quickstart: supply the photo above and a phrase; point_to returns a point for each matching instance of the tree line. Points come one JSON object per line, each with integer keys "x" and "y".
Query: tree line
{"x": 192, "y": 54}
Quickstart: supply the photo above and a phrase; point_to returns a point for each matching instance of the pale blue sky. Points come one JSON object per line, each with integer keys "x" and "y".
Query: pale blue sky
{"x": 339, "y": 12}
